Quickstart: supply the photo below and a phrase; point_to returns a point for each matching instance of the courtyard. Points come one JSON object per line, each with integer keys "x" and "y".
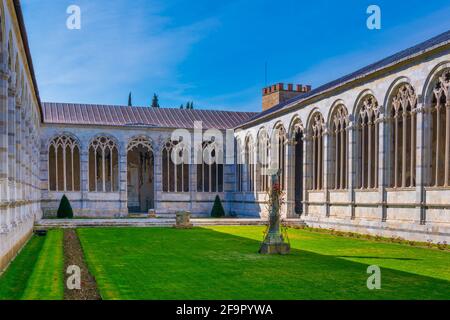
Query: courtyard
{"x": 221, "y": 262}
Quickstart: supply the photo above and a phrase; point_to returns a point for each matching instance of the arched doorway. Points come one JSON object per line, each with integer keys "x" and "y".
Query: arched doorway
{"x": 140, "y": 176}
{"x": 298, "y": 170}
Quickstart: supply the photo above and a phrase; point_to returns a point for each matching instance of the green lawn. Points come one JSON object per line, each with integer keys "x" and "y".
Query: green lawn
{"x": 37, "y": 272}
{"x": 222, "y": 263}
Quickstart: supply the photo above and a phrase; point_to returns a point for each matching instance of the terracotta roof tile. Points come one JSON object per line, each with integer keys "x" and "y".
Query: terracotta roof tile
{"x": 107, "y": 115}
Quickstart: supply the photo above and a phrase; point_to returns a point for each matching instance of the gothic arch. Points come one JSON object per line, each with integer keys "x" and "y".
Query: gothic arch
{"x": 316, "y": 133}
{"x": 62, "y": 133}
{"x": 367, "y": 114}
{"x": 105, "y": 135}
{"x": 64, "y": 163}
{"x": 175, "y": 173}
{"x": 358, "y": 101}
{"x": 437, "y": 106}
{"x": 310, "y": 118}
{"x": 401, "y": 103}
{"x": 17, "y": 71}
{"x": 430, "y": 82}
{"x": 250, "y": 163}
{"x": 262, "y": 159}
{"x": 338, "y": 122}
{"x": 295, "y": 125}
{"x": 140, "y": 140}
{"x": 11, "y": 49}
{"x": 295, "y": 177}
{"x": 103, "y": 156}
{"x": 393, "y": 87}
{"x": 2, "y": 33}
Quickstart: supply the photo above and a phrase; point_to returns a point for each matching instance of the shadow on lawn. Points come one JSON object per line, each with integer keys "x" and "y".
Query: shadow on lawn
{"x": 383, "y": 258}
{"x": 208, "y": 264}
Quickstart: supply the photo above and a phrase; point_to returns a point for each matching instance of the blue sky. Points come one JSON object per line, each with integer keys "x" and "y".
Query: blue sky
{"x": 212, "y": 52}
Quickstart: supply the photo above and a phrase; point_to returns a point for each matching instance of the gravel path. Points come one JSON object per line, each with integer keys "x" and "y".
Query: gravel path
{"x": 73, "y": 255}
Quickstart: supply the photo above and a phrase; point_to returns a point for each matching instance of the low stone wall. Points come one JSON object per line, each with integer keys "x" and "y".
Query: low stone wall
{"x": 389, "y": 229}
{"x": 13, "y": 241}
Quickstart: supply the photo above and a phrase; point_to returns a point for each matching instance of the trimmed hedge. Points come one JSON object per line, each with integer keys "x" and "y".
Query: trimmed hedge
{"x": 217, "y": 210}
{"x": 65, "y": 209}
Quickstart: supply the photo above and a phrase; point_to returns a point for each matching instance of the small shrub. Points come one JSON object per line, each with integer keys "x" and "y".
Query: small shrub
{"x": 217, "y": 210}
{"x": 442, "y": 246}
{"x": 65, "y": 209}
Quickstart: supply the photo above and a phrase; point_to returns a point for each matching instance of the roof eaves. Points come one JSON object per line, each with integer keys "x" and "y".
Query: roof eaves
{"x": 290, "y": 104}
{"x": 23, "y": 32}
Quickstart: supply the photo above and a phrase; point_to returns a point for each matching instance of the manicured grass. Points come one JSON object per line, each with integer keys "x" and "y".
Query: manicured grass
{"x": 223, "y": 263}
{"x": 37, "y": 272}
{"x": 46, "y": 281}
{"x": 13, "y": 282}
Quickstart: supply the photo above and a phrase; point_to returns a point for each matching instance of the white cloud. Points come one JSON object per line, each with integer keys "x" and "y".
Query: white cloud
{"x": 114, "y": 48}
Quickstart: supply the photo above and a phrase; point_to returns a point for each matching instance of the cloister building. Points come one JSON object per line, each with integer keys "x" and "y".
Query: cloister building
{"x": 368, "y": 153}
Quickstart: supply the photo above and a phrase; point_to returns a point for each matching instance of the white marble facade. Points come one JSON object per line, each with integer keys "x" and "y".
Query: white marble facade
{"x": 418, "y": 208}
{"x": 20, "y": 129}
{"x": 115, "y": 204}
{"x": 370, "y": 155}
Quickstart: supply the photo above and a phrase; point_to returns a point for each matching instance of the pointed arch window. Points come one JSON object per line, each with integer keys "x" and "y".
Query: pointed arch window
{"x": 339, "y": 148}
{"x": 367, "y": 138}
{"x": 64, "y": 164}
{"x": 263, "y": 161}
{"x": 317, "y": 129}
{"x": 103, "y": 165}
{"x": 298, "y": 136}
{"x": 175, "y": 162}
{"x": 210, "y": 171}
{"x": 250, "y": 164}
{"x": 240, "y": 161}
{"x": 440, "y": 113}
{"x": 402, "y": 121}
{"x": 279, "y": 154}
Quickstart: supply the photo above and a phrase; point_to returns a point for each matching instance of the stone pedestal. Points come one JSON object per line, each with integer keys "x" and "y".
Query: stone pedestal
{"x": 183, "y": 220}
{"x": 274, "y": 243}
{"x": 152, "y": 214}
{"x": 275, "y": 248}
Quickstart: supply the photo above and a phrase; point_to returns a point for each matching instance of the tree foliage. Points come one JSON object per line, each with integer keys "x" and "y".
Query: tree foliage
{"x": 155, "y": 101}
{"x": 65, "y": 209}
{"x": 217, "y": 210}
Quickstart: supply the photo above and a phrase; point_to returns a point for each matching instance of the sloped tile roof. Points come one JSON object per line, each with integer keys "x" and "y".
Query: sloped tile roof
{"x": 108, "y": 115}
{"x": 438, "y": 41}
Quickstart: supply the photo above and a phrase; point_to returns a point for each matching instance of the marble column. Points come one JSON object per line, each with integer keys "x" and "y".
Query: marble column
{"x": 12, "y": 150}
{"x": 158, "y": 178}
{"x": 84, "y": 179}
{"x": 19, "y": 156}
{"x": 4, "y": 187}
{"x": 326, "y": 172}
{"x": 423, "y": 159}
{"x": 352, "y": 166}
{"x": 382, "y": 166}
{"x": 307, "y": 170}
{"x": 290, "y": 177}
{"x": 123, "y": 181}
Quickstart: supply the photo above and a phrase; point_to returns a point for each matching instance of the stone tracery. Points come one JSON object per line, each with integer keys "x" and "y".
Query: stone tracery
{"x": 368, "y": 139}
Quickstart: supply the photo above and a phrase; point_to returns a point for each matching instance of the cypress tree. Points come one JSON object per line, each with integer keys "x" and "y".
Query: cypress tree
{"x": 217, "y": 210}
{"x": 130, "y": 103}
{"x": 155, "y": 101}
{"x": 65, "y": 209}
